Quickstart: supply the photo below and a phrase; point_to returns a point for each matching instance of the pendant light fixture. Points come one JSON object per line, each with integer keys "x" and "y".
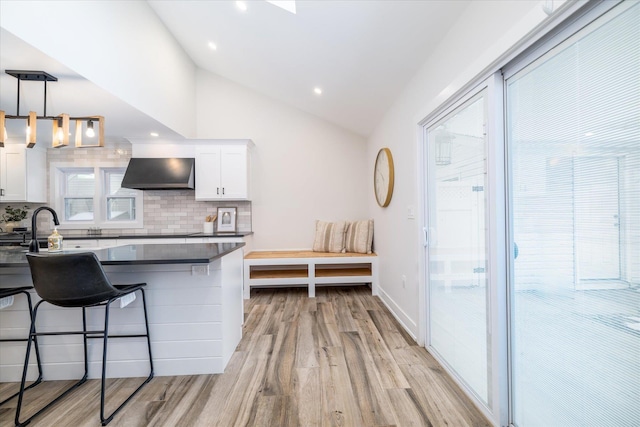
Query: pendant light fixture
{"x": 61, "y": 123}
{"x": 3, "y": 129}
{"x": 60, "y": 134}
{"x": 90, "y": 138}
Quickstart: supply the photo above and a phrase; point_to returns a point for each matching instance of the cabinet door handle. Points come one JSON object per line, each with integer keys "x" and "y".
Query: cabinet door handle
{"x": 1, "y": 191}
{"x": 223, "y": 191}
{"x": 218, "y": 190}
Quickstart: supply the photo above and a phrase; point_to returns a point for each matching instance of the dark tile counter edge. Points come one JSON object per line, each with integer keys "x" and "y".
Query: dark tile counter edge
{"x": 150, "y": 236}
{"x": 176, "y": 261}
{"x": 186, "y": 260}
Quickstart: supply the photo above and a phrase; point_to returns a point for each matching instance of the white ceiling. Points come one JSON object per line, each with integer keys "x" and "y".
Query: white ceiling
{"x": 361, "y": 53}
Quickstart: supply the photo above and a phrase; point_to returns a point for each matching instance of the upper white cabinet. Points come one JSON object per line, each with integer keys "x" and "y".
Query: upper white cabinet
{"x": 222, "y": 171}
{"x": 222, "y": 165}
{"x": 23, "y": 174}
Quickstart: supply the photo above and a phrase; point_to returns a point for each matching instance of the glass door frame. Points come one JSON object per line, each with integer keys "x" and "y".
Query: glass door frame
{"x": 571, "y": 24}
{"x": 562, "y": 23}
{"x": 496, "y": 244}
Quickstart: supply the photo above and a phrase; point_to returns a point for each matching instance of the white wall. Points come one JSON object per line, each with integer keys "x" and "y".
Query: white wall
{"x": 303, "y": 168}
{"x": 485, "y": 31}
{"x": 121, "y": 46}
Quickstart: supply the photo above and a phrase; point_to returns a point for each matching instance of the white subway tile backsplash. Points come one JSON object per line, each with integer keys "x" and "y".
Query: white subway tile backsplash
{"x": 165, "y": 212}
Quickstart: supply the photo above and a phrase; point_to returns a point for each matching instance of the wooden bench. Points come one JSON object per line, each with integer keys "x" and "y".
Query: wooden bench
{"x": 308, "y": 268}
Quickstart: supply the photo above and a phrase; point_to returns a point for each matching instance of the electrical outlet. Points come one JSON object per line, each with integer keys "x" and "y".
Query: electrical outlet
{"x": 404, "y": 281}
{"x": 6, "y": 301}
{"x": 200, "y": 270}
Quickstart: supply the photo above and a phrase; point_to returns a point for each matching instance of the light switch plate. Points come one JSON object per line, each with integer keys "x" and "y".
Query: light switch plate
{"x": 411, "y": 212}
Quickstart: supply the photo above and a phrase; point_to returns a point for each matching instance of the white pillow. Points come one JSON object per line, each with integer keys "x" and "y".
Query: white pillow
{"x": 359, "y": 236}
{"x": 329, "y": 236}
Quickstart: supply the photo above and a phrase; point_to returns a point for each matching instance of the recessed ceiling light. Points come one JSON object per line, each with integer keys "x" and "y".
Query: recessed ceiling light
{"x": 589, "y": 134}
{"x": 241, "y": 5}
{"x": 212, "y": 46}
{"x": 154, "y": 134}
{"x": 317, "y": 91}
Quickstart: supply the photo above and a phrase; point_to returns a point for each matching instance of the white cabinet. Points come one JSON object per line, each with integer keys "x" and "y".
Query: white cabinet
{"x": 214, "y": 240}
{"x": 69, "y": 244}
{"x": 23, "y": 174}
{"x": 151, "y": 241}
{"x": 89, "y": 244}
{"x": 222, "y": 172}
{"x": 107, "y": 243}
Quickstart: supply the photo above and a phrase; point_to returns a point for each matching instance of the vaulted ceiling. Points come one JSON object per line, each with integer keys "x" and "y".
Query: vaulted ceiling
{"x": 360, "y": 53}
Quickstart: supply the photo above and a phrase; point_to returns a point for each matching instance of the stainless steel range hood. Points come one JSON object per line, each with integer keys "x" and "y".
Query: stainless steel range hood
{"x": 160, "y": 174}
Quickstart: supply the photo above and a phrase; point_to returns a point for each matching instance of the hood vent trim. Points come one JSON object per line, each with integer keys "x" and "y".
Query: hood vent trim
{"x": 160, "y": 174}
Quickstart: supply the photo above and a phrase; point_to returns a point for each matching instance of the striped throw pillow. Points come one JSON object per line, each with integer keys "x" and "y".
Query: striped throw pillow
{"x": 359, "y": 237}
{"x": 329, "y": 236}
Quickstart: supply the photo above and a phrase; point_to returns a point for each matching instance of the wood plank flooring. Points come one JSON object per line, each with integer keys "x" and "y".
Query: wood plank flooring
{"x": 339, "y": 359}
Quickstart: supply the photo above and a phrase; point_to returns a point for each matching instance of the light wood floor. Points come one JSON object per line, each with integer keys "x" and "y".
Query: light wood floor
{"x": 339, "y": 359}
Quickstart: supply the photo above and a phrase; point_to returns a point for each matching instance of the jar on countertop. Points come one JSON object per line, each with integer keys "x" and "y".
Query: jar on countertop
{"x": 55, "y": 241}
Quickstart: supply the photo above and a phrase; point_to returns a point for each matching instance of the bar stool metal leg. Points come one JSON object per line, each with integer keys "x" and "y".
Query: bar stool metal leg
{"x": 25, "y": 291}
{"x": 33, "y": 337}
{"x": 104, "y": 334}
{"x": 105, "y": 420}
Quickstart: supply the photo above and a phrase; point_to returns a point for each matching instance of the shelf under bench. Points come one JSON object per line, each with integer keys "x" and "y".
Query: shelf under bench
{"x": 308, "y": 268}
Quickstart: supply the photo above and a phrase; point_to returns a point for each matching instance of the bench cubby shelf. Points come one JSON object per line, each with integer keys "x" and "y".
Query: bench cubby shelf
{"x": 308, "y": 268}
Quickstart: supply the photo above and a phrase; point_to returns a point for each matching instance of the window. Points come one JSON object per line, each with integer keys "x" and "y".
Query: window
{"x": 92, "y": 197}
{"x": 121, "y": 202}
{"x": 78, "y": 194}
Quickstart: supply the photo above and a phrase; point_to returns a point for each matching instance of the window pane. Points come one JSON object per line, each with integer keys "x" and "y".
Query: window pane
{"x": 78, "y": 209}
{"x": 458, "y": 315}
{"x": 113, "y": 180}
{"x": 573, "y": 130}
{"x": 121, "y": 209}
{"x": 80, "y": 183}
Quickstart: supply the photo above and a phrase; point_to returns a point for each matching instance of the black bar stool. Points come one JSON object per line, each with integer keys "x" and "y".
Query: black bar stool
{"x": 78, "y": 281}
{"x": 8, "y": 292}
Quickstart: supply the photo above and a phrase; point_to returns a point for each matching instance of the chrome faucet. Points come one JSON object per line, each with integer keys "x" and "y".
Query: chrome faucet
{"x": 33, "y": 244}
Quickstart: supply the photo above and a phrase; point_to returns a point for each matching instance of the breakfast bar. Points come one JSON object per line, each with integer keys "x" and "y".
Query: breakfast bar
{"x": 194, "y": 300}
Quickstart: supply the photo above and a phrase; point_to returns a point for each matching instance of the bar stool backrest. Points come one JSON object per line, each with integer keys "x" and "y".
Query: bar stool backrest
{"x": 70, "y": 280}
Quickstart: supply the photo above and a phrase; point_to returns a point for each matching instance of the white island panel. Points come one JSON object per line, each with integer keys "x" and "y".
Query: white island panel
{"x": 195, "y": 323}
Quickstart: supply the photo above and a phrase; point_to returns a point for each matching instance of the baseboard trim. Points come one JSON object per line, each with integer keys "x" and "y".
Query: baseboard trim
{"x": 405, "y": 321}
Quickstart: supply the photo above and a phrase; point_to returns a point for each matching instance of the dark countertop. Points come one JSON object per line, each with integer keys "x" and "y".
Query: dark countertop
{"x": 9, "y": 238}
{"x": 154, "y": 236}
{"x": 183, "y": 253}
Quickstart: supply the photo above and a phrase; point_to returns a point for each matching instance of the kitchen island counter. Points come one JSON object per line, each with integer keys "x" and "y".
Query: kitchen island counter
{"x": 194, "y": 301}
{"x": 23, "y": 238}
{"x": 184, "y": 253}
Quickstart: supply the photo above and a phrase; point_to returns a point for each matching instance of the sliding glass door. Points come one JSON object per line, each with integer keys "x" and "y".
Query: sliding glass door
{"x": 457, "y": 249}
{"x": 573, "y": 142}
